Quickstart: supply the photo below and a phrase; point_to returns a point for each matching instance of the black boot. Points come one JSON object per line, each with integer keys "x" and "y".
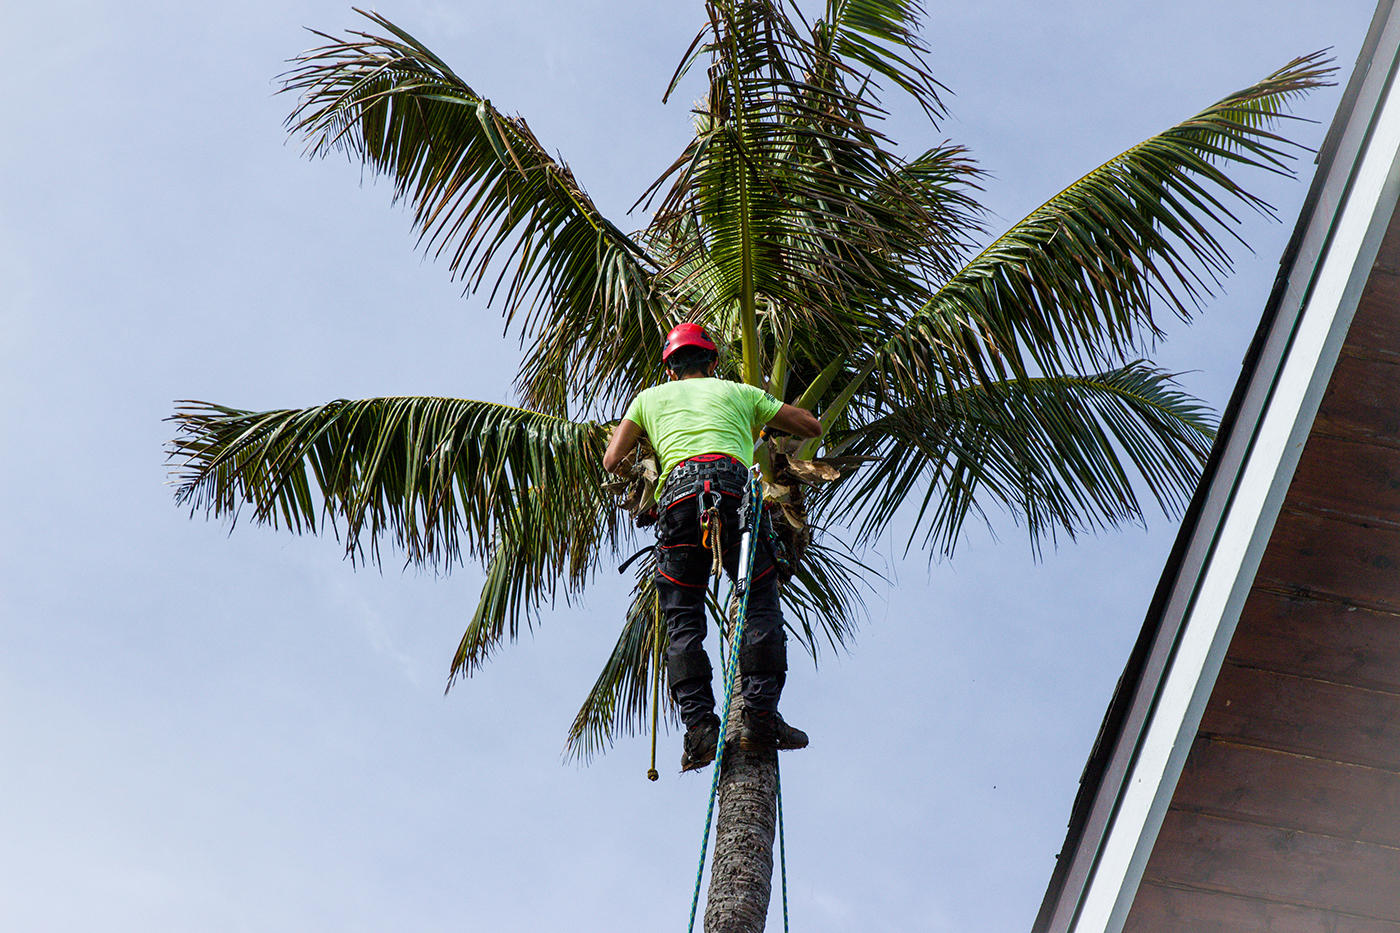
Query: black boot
{"x": 764, "y": 730}
{"x": 698, "y": 748}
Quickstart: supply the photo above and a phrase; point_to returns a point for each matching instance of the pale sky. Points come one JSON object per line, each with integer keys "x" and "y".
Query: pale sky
{"x": 205, "y": 731}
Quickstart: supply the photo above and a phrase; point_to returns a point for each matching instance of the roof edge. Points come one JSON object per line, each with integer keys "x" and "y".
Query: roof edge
{"x": 1106, "y": 769}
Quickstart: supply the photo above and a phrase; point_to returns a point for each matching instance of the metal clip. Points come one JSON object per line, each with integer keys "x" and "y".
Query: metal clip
{"x": 710, "y": 526}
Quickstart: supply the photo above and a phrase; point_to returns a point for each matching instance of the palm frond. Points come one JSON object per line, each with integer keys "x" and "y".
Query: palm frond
{"x": 1061, "y": 454}
{"x": 486, "y": 194}
{"x": 788, "y": 196}
{"x": 933, "y": 193}
{"x": 619, "y": 701}
{"x": 825, "y": 598}
{"x": 535, "y": 559}
{"x": 1072, "y": 287}
{"x": 439, "y": 477}
{"x": 882, "y": 36}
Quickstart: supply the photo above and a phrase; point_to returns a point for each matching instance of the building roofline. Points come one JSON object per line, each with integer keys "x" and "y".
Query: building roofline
{"x": 1110, "y": 759}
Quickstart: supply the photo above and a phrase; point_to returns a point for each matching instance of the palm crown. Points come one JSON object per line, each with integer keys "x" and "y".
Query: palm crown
{"x": 841, "y": 275}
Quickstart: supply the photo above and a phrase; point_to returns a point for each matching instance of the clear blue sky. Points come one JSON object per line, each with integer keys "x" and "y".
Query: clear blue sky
{"x": 215, "y": 732}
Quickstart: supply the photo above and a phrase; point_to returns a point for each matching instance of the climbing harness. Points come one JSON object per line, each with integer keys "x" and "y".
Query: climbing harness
{"x": 748, "y": 544}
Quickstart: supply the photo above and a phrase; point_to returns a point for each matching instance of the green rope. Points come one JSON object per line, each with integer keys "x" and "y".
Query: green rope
{"x": 782, "y": 843}
{"x": 730, "y": 671}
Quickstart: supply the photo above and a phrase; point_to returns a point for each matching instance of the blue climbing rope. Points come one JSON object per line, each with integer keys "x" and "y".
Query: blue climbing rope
{"x": 749, "y": 546}
{"x": 731, "y": 668}
{"x": 782, "y": 843}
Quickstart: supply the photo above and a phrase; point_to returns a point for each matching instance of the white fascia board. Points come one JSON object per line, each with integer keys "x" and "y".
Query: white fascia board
{"x": 1277, "y": 416}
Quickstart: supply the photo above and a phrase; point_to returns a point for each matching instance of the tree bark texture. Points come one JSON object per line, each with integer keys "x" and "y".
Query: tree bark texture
{"x": 741, "y": 877}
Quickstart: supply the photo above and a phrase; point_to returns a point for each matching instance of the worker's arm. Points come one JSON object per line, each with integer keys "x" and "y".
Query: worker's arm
{"x": 624, "y": 438}
{"x": 799, "y": 422}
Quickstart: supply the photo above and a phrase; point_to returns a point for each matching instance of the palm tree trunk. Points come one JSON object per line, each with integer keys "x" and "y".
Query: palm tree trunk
{"x": 741, "y": 878}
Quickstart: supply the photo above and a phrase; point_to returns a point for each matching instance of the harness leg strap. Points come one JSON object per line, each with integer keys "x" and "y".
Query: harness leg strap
{"x": 764, "y": 658}
{"x": 687, "y": 666}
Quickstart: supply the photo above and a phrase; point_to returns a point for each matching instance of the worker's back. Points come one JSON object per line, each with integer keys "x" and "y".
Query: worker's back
{"x": 688, "y": 417}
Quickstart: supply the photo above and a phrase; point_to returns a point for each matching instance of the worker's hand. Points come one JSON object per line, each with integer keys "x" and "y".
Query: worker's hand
{"x": 624, "y": 438}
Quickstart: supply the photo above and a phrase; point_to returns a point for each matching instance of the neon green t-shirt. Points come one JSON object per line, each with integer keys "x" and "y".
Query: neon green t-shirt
{"x": 689, "y": 417}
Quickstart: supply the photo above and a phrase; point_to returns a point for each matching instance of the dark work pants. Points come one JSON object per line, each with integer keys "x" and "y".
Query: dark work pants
{"x": 683, "y": 573}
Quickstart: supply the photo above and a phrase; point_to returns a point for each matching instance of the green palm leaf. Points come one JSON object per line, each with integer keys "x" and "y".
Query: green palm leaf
{"x": 438, "y": 477}
{"x": 535, "y": 558}
{"x": 1073, "y": 285}
{"x": 1059, "y": 453}
{"x": 483, "y": 190}
{"x": 940, "y": 181}
{"x": 825, "y": 599}
{"x": 619, "y": 702}
{"x": 883, "y": 36}
{"x": 787, "y": 199}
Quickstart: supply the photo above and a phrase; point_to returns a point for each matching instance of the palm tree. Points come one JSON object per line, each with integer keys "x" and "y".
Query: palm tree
{"x": 954, "y": 372}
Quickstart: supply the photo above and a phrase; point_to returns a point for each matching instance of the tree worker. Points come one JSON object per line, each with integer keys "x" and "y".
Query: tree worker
{"x": 703, "y": 431}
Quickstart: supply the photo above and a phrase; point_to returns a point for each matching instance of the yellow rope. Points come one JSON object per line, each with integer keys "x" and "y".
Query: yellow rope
{"x": 710, "y": 528}
{"x": 652, "y": 773}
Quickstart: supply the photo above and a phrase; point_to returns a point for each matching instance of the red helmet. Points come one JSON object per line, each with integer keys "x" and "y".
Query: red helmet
{"x": 686, "y": 335}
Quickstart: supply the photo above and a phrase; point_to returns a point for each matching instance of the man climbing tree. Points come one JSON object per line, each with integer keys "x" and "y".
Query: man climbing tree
{"x": 958, "y": 374}
{"x": 703, "y": 430}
